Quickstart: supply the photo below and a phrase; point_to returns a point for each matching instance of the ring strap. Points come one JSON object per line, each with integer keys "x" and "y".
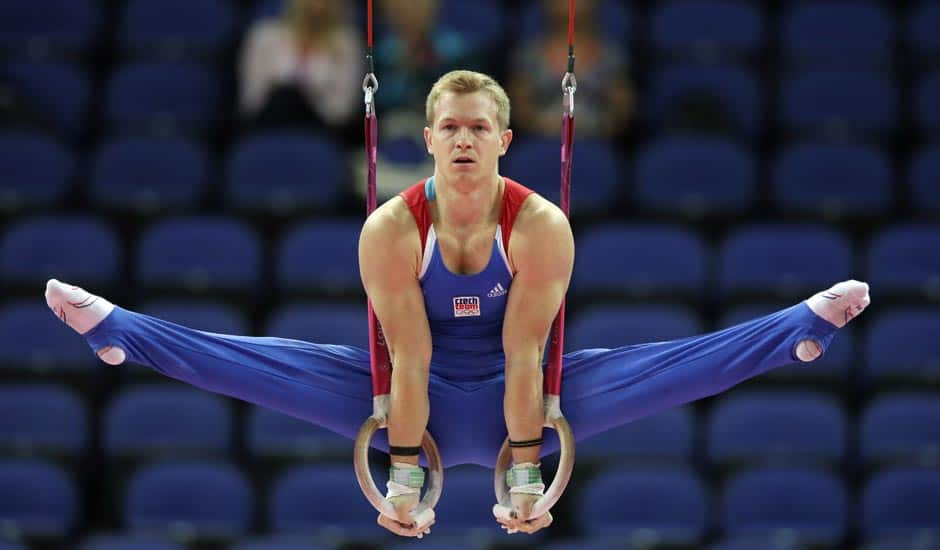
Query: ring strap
{"x": 526, "y": 443}
{"x": 403, "y": 451}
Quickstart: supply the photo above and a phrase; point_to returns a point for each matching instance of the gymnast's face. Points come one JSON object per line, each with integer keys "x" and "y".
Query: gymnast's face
{"x": 465, "y": 139}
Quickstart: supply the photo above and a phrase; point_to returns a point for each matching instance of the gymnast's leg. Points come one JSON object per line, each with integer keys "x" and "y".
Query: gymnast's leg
{"x": 326, "y": 385}
{"x": 603, "y": 389}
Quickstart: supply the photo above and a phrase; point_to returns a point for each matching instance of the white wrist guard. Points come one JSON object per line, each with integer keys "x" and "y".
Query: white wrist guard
{"x": 404, "y": 479}
{"x": 525, "y": 478}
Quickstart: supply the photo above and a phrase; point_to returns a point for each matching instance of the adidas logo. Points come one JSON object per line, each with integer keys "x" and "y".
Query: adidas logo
{"x": 497, "y": 291}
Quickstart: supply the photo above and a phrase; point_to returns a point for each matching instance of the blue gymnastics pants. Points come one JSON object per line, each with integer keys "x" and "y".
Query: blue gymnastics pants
{"x": 330, "y": 385}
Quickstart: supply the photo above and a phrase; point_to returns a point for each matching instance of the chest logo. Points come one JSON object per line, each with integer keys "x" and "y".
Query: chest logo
{"x": 497, "y": 291}
{"x": 467, "y": 306}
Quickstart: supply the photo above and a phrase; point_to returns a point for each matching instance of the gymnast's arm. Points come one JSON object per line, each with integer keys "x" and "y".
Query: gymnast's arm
{"x": 389, "y": 263}
{"x": 541, "y": 251}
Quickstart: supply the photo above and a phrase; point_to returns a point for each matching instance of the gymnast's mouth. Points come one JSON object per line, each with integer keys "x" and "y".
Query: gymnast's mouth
{"x": 463, "y": 160}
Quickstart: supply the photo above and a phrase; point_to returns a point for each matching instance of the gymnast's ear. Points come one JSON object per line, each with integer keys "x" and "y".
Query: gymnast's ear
{"x": 505, "y": 139}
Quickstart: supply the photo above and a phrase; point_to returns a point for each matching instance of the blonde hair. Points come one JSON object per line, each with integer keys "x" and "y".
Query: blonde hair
{"x": 466, "y": 82}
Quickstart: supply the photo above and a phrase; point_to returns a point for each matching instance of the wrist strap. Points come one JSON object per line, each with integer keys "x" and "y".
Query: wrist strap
{"x": 407, "y": 475}
{"x": 523, "y": 474}
{"x": 403, "y": 451}
{"x": 525, "y": 443}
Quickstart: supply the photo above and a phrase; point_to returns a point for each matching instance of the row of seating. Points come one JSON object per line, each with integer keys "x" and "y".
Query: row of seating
{"x": 145, "y": 420}
{"x": 213, "y": 499}
{"x": 187, "y": 97}
{"x": 867, "y": 31}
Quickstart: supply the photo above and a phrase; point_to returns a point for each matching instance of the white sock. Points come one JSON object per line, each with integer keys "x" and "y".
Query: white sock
{"x": 839, "y": 304}
{"x": 82, "y": 311}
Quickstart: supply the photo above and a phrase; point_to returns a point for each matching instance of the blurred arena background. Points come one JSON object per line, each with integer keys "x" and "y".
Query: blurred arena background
{"x": 201, "y": 160}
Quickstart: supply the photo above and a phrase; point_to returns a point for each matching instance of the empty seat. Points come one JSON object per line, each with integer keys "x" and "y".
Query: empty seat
{"x": 832, "y": 180}
{"x": 838, "y": 33}
{"x": 155, "y": 419}
{"x": 38, "y": 419}
{"x": 282, "y": 542}
{"x": 782, "y": 260}
{"x": 776, "y": 427}
{"x": 666, "y": 436}
{"x": 902, "y": 502}
{"x": 694, "y": 177}
{"x": 757, "y": 543}
{"x": 614, "y": 326}
{"x": 733, "y": 88}
{"x": 60, "y": 91}
{"x": 324, "y": 323}
{"x": 666, "y": 505}
{"x": 924, "y": 172}
{"x": 37, "y": 499}
{"x": 200, "y": 254}
{"x": 79, "y": 249}
{"x": 282, "y": 173}
{"x": 903, "y": 345}
{"x": 162, "y": 97}
{"x": 927, "y": 98}
{"x": 707, "y": 29}
{"x": 898, "y": 261}
{"x": 147, "y": 175}
{"x": 595, "y": 172}
{"x": 922, "y": 24}
{"x": 639, "y": 260}
{"x": 811, "y": 506}
{"x": 316, "y": 499}
{"x": 838, "y": 102}
{"x": 205, "y": 315}
{"x": 271, "y": 434}
{"x": 320, "y": 257}
{"x": 49, "y": 27}
{"x": 33, "y": 339}
{"x": 206, "y": 500}
{"x": 901, "y": 428}
{"x": 128, "y": 542}
{"x": 39, "y": 171}
{"x": 176, "y": 28}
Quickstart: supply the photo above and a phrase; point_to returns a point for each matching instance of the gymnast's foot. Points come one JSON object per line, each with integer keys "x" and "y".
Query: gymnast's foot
{"x": 839, "y": 304}
{"x": 82, "y": 311}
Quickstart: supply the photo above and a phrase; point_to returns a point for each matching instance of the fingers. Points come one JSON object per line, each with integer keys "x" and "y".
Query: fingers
{"x": 526, "y": 526}
{"x": 413, "y": 529}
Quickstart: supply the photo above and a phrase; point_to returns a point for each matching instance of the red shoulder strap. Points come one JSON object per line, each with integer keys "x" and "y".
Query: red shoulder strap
{"x": 513, "y": 197}
{"x": 418, "y": 204}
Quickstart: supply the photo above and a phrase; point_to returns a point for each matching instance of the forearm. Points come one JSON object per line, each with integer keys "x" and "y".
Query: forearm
{"x": 408, "y": 408}
{"x": 522, "y": 404}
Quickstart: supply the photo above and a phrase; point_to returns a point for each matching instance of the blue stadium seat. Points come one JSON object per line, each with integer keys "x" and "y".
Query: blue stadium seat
{"x": 12, "y": 546}
{"x": 60, "y": 91}
{"x": 282, "y": 542}
{"x": 755, "y": 427}
{"x": 40, "y": 419}
{"x": 901, "y": 503}
{"x": 320, "y": 257}
{"x": 323, "y": 323}
{"x": 615, "y": 20}
{"x": 595, "y": 172}
{"x": 176, "y": 28}
{"x": 782, "y": 260}
{"x": 901, "y": 428}
{"x": 586, "y": 543}
{"x": 832, "y": 180}
{"x": 206, "y": 500}
{"x": 669, "y": 505}
{"x": 612, "y": 326}
{"x": 838, "y": 102}
{"x": 149, "y": 174}
{"x": 37, "y": 499}
{"x": 49, "y": 27}
{"x": 927, "y": 98}
{"x": 271, "y": 434}
{"x": 39, "y": 171}
{"x": 128, "y": 542}
{"x": 33, "y": 339}
{"x": 78, "y": 249}
{"x": 924, "y": 172}
{"x": 922, "y": 24}
{"x": 834, "y": 367}
{"x": 734, "y": 87}
{"x": 163, "y": 419}
{"x": 903, "y": 543}
{"x": 316, "y": 499}
{"x": 897, "y": 263}
{"x": 811, "y": 506}
{"x": 903, "y": 344}
{"x": 481, "y": 24}
{"x": 837, "y": 33}
{"x": 668, "y": 436}
{"x": 695, "y": 177}
{"x": 639, "y": 260}
{"x": 465, "y": 511}
{"x": 162, "y": 97}
{"x": 199, "y": 254}
{"x": 205, "y": 315}
{"x": 757, "y": 543}
{"x": 707, "y": 29}
{"x": 281, "y": 173}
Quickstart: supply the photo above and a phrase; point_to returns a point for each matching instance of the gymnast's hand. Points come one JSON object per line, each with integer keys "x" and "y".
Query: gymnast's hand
{"x": 517, "y": 519}
{"x": 405, "y": 524}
